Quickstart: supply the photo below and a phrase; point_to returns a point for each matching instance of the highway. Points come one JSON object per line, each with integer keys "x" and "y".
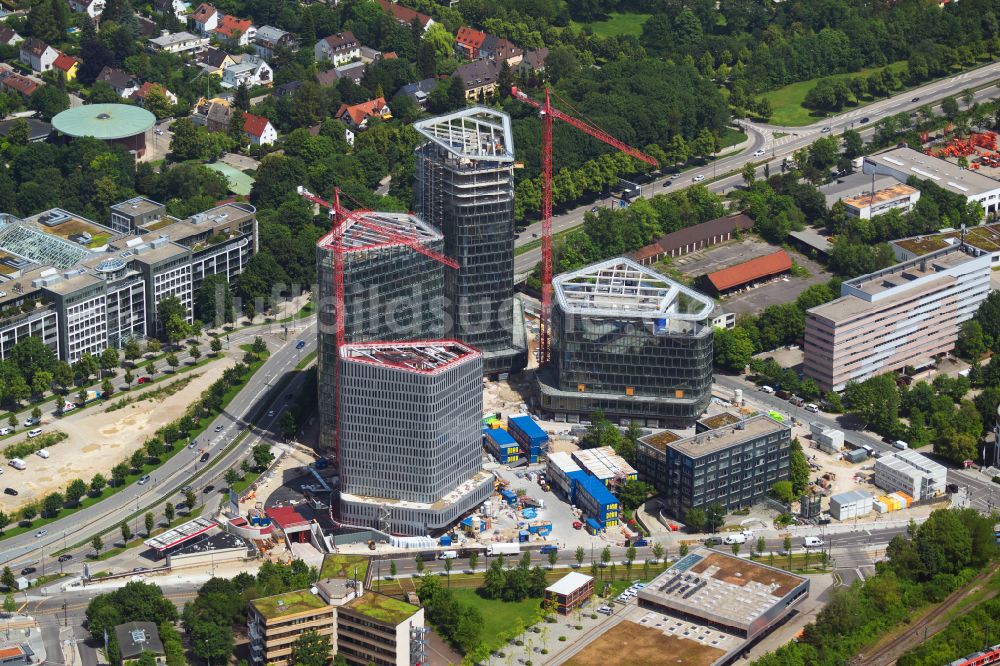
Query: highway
{"x": 762, "y": 137}
{"x": 176, "y": 472}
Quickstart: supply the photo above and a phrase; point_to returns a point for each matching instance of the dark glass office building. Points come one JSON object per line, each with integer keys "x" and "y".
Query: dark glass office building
{"x": 465, "y": 187}
{"x": 630, "y": 342}
{"x": 391, "y": 292}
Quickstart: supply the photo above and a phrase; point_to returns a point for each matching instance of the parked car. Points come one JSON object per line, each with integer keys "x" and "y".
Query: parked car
{"x": 766, "y": 389}
{"x": 9, "y": 491}
{"x": 34, "y": 433}
{"x": 180, "y": 506}
{"x": 27, "y": 571}
{"x": 713, "y": 541}
{"x": 668, "y": 183}
{"x": 145, "y": 380}
{"x": 6, "y": 430}
{"x": 184, "y": 489}
{"x": 810, "y": 407}
{"x": 194, "y": 443}
{"x": 548, "y": 549}
{"x": 30, "y": 421}
{"x": 577, "y": 525}
{"x": 208, "y": 489}
{"x": 605, "y": 610}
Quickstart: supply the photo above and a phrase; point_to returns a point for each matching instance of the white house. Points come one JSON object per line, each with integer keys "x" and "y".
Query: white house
{"x": 338, "y": 49}
{"x": 251, "y": 70}
{"x": 177, "y": 42}
{"x": 235, "y": 31}
{"x": 178, "y": 8}
{"x": 37, "y": 54}
{"x": 9, "y": 36}
{"x": 92, "y": 8}
{"x": 121, "y": 82}
{"x": 268, "y": 37}
{"x": 259, "y": 130}
{"x": 204, "y": 19}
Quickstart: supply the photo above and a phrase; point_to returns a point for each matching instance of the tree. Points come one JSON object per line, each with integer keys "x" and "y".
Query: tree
{"x": 106, "y": 389}
{"x": 736, "y": 549}
{"x": 606, "y": 556}
{"x": 579, "y": 555}
{"x": 695, "y": 519}
{"x": 169, "y": 512}
{"x": 108, "y": 360}
{"x": 733, "y": 349}
{"x": 172, "y": 317}
{"x": 97, "y": 484}
{"x": 971, "y": 344}
{"x": 126, "y": 531}
{"x": 782, "y": 491}
{"x": 311, "y": 649}
{"x": 262, "y": 456}
{"x": 420, "y": 565}
{"x": 4, "y": 521}
{"x": 658, "y": 551}
{"x": 447, "y": 570}
{"x": 715, "y": 516}
{"x": 232, "y": 476}
{"x": 40, "y": 383}
{"x": 191, "y": 500}
{"x": 49, "y": 100}
{"x": 875, "y": 402}
{"x": 97, "y": 545}
{"x": 29, "y": 512}
{"x": 553, "y": 558}
{"x": 129, "y": 378}
{"x": 138, "y": 459}
{"x": 75, "y": 491}
{"x": 172, "y": 360}
{"x": 63, "y": 375}
{"x": 9, "y": 605}
{"x": 749, "y": 173}
{"x": 36, "y": 413}
{"x": 799, "y": 469}
{"x": 949, "y": 105}
{"x": 149, "y": 520}
{"x": 52, "y": 504}
{"x": 7, "y": 579}
{"x": 473, "y": 561}
{"x": 761, "y": 546}
{"x": 786, "y": 544}
{"x": 854, "y": 145}
{"x": 216, "y": 346}
{"x": 118, "y": 473}
{"x": 194, "y": 351}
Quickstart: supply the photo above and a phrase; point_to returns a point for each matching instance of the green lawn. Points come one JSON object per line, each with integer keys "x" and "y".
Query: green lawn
{"x": 617, "y": 24}
{"x": 787, "y": 102}
{"x": 730, "y": 137}
{"x": 498, "y": 616}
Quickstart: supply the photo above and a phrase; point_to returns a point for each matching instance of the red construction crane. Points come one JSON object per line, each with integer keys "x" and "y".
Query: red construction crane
{"x": 548, "y": 112}
{"x": 342, "y": 220}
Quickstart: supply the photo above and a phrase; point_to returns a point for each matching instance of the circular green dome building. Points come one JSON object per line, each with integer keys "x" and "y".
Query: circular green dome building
{"x": 116, "y": 123}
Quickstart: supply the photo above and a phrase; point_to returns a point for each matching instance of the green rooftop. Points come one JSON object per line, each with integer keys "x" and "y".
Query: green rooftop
{"x": 290, "y": 603}
{"x": 159, "y": 224}
{"x": 104, "y": 121}
{"x": 381, "y": 608}
{"x": 342, "y": 566}
{"x": 239, "y": 182}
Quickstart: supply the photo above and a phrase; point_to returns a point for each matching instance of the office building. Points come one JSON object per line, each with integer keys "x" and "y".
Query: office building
{"x": 904, "y": 163}
{"x": 465, "y": 187}
{"x": 870, "y": 204}
{"x": 137, "y": 638}
{"x": 82, "y": 286}
{"x": 391, "y": 292}
{"x": 907, "y": 471}
{"x": 570, "y": 592}
{"x": 630, "y": 342}
{"x": 410, "y": 435}
{"x": 275, "y": 623}
{"x": 983, "y": 239}
{"x": 381, "y": 630}
{"x": 734, "y": 466}
{"x": 902, "y": 315}
{"x": 714, "y": 604}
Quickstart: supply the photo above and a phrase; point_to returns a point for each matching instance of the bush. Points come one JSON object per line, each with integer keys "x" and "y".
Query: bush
{"x": 996, "y": 479}
{"x": 519, "y": 643}
{"x": 544, "y": 650}
{"x": 562, "y": 639}
{"x": 29, "y": 446}
{"x": 578, "y": 627}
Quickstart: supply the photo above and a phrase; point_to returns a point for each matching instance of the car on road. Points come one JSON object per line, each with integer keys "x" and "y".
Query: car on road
{"x": 668, "y": 183}
{"x": 184, "y": 489}
{"x": 10, "y": 491}
{"x": 594, "y": 209}
{"x": 34, "y": 433}
{"x": 300, "y": 344}
{"x": 766, "y": 389}
{"x": 180, "y": 506}
{"x": 713, "y": 541}
{"x": 548, "y": 549}
{"x": 145, "y": 380}
{"x": 759, "y": 152}
{"x": 577, "y": 525}
{"x": 194, "y": 443}
{"x": 605, "y": 610}
{"x": 700, "y": 177}
{"x": 208, "y": 489}
{"x": 812, "y": 407}
{"x": 915, "y": 99}
{"x": 864, "y": 120}
{"x": 218, "y": 428}
{"x": 41, "y": 533}
{"x": 144, "y": 480}
{"x": 30, "y": 421}
{"x": 825, "y": 130}
{"x": 205, "y": 456}
{"x": 270, "y": 412}
{"x": 28, "y": 570}
{"x": 6, "y": 430}
{"x": 65, "y": 558}
{"x": 158, "y": 131}
{"x": 138, "y": 569}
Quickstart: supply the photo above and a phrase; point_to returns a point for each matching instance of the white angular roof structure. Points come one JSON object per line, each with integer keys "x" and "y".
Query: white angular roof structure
{"x": 366, "y": 230}
{"x": 475, "y": 133}
{"x": 620, "y": 287}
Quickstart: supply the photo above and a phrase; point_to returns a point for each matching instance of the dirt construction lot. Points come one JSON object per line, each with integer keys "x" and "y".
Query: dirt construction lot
{"x": 632, "y": 644}
{"x": 98, "y": 440}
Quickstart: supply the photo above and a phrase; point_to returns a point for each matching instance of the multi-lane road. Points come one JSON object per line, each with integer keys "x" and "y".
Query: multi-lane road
{"x": 246, "y": 410}
{"x": 763, "y": 137}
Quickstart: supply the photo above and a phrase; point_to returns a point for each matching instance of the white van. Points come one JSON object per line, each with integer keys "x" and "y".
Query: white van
{"x": 767, "y": 389}
{"x": 34, "y": 433}
{"x": 730, "y": 539}
{"x": 812, "y": 542}
{"x": 42, "y": 453}
{"x": 448, "y": 555}
{"x": 811, "y": 407}
{"x": 901, "y": 445}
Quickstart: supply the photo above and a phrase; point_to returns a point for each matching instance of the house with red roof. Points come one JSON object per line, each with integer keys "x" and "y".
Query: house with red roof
{"x": 356, "y": 116}
{"x": 142, "y": 93}
{"x": 235, "y": 31}
{"x": 68, "y": 65}
{"x": 750, "y": 272}
{"x": 405, "y": 15}
{"x": 469, "y": 42}
{"x": 259, "y": 130}
{"x": 11, "y": 81}
{"x": 204, "y": 19}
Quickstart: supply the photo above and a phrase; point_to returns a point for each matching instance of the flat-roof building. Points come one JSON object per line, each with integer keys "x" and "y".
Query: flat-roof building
{"x": 275, "y": 623}
{"x": 135, "y": 639}
{"x": 739, "y": 599}
{"x": 570, "y": 592}
{"x": 904, "y": 163}
{"x": 630, "y": 342}
{"x": 410, "y": 435}
{"x": 377, "y": 629}
{"x": 870, "y": 204}
{"x": 851, "y": 504}
{"x": 983, "y": 239}
{"x": 916, "y": 475}
{"x": 902, "y": 315}
{"x": 734, "y": 466}
{"x": 465, "y": 187}
{"x": 605, "y": 465}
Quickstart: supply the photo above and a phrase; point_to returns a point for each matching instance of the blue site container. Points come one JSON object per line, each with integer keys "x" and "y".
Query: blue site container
{"x": 522, "y": 536}
{"x": 445, "y": 540}
{"x": 509, "y": 496}
{"x": 529, "y": 435}
{"x": 501, "y": 445}
{"x": 597, "y": 502}
{"x": 575, "y": 478}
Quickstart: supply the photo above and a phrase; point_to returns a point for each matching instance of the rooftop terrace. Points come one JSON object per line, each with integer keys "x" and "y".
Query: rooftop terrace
{"x": 985, "y": 237}
{"x": 289, "y": 603}
{"x": 711, "y": 441}
{"x": 476, "y": 133}
{"x": 338, "y": 565}
{"x": 383, "y": 609}
{"x": 424, "y": 357}
{"x": 369, "y": 230}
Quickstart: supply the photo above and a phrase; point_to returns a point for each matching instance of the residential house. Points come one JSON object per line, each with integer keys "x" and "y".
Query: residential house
{"x": 419, "y": 91}
{"x": 356, "y": 116}
{"x": 354, "y": 71}
{"x": 178, "y": 42}
{"x": 235, "y": 31}
{"x": 120, "y": 81}
{"x": 178, "y": 8}
{"x": 136, "y": 638}
{"x": 37, "y": 55}
{"x": 214, "y": 61}
{"x": 212, "y": 114}
{"x": 287, "y": 89}
{"x": 204, "y": 19}
{"x": 11, "y": 81}
{"x": 251, "y": 70}
{"x": 92, "y": 8}
{"x": 533, "y": 61}
{"x": 140, "y": 95}
{"x": 500, "y": 50}
{"x": 479, "y": 78}
{"x": 68, "y": 65}
{"x": 38, "y": 130}
{"x": 468, "y": 42}
{"x": 8, "y": 36}
{"x": 405, "y": 15}
{"x": 369, "y": 54}
{"x": 268, "y": 37}
{"x": 338, "y": 49}
{"x": 259, "y": 130}
{"x": 147, "y": 27}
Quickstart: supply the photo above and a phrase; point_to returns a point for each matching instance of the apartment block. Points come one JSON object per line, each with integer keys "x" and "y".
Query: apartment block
{"x": 735, "y": 465}
{"x": 630, "y": 342}
{"x": 410, "y": 435}
{"x": 465, "y": 188}
{"x": 916, "y": 475}
{"x": 377, "y": 629}
{"x": 82, "y": 286}
{"x": 902, "y": 315}
{"x": 275, "y": 623}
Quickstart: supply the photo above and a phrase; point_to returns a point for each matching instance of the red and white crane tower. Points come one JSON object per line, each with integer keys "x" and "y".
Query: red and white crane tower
{"x": 379, "y": 236}
{"x": 548, "y": 113}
